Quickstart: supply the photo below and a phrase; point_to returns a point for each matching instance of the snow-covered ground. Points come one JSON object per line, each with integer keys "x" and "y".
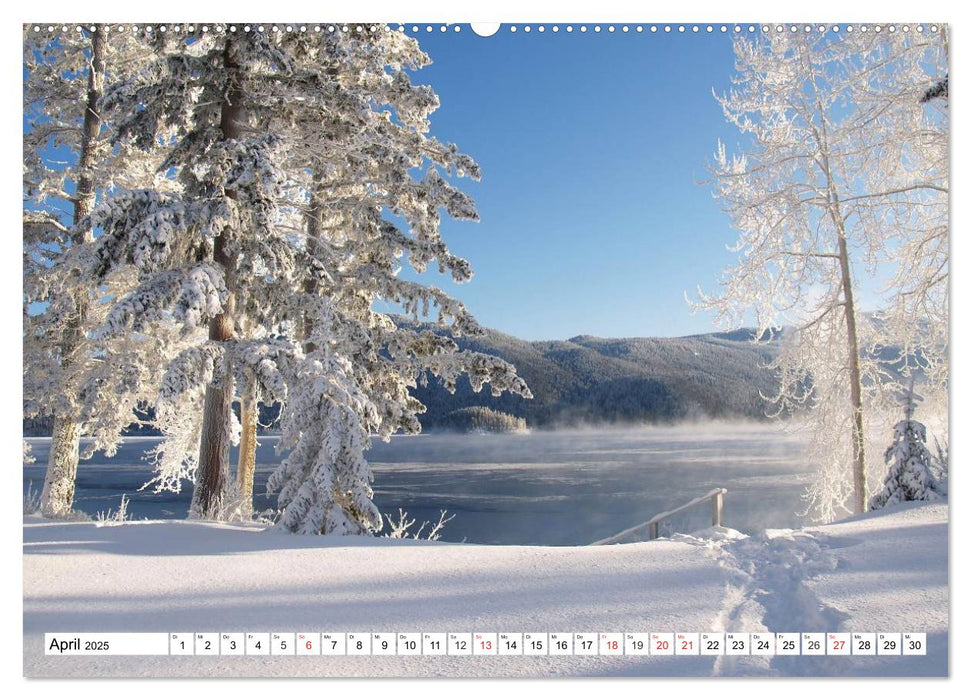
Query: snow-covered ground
{"x": 878, "y": 573}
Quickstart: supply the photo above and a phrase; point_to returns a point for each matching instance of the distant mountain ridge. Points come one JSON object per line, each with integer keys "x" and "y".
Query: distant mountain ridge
{"x": 599, "y": 380}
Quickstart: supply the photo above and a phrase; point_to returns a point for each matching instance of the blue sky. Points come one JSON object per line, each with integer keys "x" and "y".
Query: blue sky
{"x": 595, "y": 217}
{"x": 593, "y": 148}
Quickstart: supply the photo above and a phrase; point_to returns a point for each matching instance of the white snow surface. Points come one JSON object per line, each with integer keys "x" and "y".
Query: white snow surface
{"x": 883, "y": 572}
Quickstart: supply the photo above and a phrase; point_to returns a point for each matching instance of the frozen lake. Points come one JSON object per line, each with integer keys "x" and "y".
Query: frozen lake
{"x": 543, "y": 488}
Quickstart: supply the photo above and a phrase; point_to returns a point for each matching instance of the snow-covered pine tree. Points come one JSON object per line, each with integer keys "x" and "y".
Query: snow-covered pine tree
{"x": 218, "y": 239}
{"x": 89, "y": 387}
{"x": 236, "y": 241}
{"x": 910, "y": 477}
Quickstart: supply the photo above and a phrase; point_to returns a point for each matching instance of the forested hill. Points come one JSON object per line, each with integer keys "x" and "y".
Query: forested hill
{"x": 597, "y": 380}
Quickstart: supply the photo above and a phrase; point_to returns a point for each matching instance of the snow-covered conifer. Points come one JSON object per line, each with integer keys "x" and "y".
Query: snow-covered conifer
{"x": 911, "y": 476}
{"x": 295, "y": 153}
{"x": 357, "y": 165}
{"x": 218, "y": 237}
{"x": 89, "y": 386}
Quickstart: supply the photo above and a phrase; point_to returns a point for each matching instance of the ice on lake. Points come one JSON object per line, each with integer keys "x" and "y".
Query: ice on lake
{"x": 540, "y": 488}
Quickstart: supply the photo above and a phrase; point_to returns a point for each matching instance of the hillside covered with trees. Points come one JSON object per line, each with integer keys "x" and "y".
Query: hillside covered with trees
{"x": 588, "y": 380}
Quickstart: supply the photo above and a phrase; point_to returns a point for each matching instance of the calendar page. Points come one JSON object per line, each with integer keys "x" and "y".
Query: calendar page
{"x": 482, "y": 350}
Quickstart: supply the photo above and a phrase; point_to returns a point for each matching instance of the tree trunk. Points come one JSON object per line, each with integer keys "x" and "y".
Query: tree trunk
{"x": 248, "y": 418}
{"x": 212, "y": 475}
{"x": 57, "y": 498}
{"x": 246, "y": 466}
{"x": 311, "y": 286}
{"x": 858, "y": 438}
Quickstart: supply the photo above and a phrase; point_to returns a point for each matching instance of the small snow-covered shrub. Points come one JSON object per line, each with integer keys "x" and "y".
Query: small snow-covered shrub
{"x": 270, "y": 516}
{"x": 400, "y": 529}
{"x": 31, "y": 499}
{"x": 32, "y": 502}
{"x": 109, "y": 517}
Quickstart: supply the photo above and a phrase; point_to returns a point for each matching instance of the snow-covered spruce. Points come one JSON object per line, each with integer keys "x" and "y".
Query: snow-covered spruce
{"x": 294, "y": 159}
{"x": 910, "y": 477}
{"x": 324, "y": 483}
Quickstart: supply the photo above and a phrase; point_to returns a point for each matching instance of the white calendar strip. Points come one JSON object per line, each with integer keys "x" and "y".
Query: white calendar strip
{"x": 487, "y": 644}
{"x": 112, "y": 644}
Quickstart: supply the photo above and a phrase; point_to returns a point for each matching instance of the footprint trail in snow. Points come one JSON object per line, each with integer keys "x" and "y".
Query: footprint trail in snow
{"x": 767, "y": 593}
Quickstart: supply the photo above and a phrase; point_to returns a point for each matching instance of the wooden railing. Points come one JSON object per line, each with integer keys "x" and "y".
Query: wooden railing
{"x": 716, "y": 496}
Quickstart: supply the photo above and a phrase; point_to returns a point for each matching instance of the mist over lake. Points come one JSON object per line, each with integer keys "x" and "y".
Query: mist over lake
{"x": 540, "y": 488}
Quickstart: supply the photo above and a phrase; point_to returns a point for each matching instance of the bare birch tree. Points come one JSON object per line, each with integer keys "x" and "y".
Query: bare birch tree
{"x": 828, "y": 187}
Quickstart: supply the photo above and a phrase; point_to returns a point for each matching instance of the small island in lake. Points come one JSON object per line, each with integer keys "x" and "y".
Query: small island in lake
{"x": 479, "y": 419}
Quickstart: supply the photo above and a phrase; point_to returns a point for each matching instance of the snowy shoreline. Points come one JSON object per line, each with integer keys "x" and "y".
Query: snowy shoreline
{"x": 881, "y": 572}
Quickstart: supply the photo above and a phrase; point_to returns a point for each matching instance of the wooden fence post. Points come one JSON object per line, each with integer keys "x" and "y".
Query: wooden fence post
{"x": 717, "y": 505}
